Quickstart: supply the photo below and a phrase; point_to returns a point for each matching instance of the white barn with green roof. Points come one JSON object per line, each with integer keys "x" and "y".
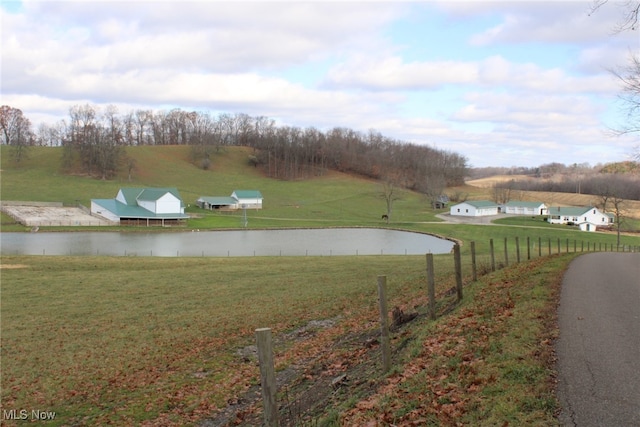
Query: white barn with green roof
{"x": 249, "y": 199}
{"x": 142, "y": 206}
{"x": 475, "y": 208}
{"x": 239, "y": 199}
{"x": 587, "y": 218}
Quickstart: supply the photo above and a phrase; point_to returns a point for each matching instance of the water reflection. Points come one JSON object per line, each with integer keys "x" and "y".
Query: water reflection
{"x": 298, "y": 242}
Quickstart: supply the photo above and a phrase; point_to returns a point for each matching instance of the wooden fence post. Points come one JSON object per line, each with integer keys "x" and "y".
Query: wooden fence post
{"x": 431, "y": 287}
{"x": 506, "y": 253}
{"x": 517, "y": 249}
{"x": 267, "y": 376}
{"x": 493, "y": 256}
{"x": 384, "y": 324}
{"x": 539, "y": 246}
{"x": 458, "y": 264}
{"x": 559, "y": 247}
{"x": 528, "y": 248}
{"x": 549, "y": 245}
{"x": 474, "y": 270}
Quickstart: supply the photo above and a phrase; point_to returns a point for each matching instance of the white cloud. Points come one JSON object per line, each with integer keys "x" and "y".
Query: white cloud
{"x": 392, "y": 73}
{"x": 247, "y": 57}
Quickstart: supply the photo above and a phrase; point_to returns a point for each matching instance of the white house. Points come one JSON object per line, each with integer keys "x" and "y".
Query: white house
{"x": 475, "y": 208}
{"x": 142, "y": 206}
{"x": 524, "y": 208}
{"x": 586, "y": 218}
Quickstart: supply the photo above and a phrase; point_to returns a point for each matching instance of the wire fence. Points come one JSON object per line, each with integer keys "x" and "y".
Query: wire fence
{"x": 498, "y": 255}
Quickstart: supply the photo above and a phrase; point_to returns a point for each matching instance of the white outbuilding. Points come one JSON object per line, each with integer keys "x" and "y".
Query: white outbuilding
{"x": 524, "y": 208}
{"x": 475, "y": 208}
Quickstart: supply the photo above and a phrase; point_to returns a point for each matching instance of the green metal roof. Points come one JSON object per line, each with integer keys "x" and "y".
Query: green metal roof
{"x": 128, "y": 211}
{"x": 248, "y": 194}
{"x": 524, "y": 204}
{"x": 570, "y": 211}
{"x": 132, "y": 195}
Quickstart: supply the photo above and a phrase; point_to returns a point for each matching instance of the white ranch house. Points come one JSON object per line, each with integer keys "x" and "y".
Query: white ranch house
{"x": 475, "y": 208}
{"x": 586, "y": 218}
{"x": 239, "y": 199}
{"x": 142, "y": 206}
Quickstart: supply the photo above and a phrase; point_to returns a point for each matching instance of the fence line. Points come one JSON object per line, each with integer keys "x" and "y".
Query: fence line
{"x": 268, "y": 393}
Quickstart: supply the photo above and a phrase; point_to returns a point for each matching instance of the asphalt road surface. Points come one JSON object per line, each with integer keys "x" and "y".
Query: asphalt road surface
{"x": 599, "y": 344}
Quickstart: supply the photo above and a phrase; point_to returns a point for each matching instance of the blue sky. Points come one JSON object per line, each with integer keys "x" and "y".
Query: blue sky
{"x": 511, "y": 83}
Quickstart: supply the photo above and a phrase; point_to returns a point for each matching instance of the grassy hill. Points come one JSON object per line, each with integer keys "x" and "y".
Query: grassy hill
{"x": 332, "y": 199}
{"x": 325, "y": 199}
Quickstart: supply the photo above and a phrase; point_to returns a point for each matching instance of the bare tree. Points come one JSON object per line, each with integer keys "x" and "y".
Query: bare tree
{"x": 629, "y": 78}
{"x": 502, "y": 191}
{"x": 618, "y": 208}
{"x": 50, "y": 135}
{"x": 433, "y": 187}
{"x": 109, "y": 143}
{"x": 630, "y": 13}
{"x": 16, "y": 131}
{"x": 131, "y": 166}
{"x": 144, "y": 127}
{"x": 390, "y": 193}
{"x": 82, "y": 134}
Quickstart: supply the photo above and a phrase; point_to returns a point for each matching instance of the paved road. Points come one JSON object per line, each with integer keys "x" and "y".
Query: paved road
{"x": 599, "y": 344}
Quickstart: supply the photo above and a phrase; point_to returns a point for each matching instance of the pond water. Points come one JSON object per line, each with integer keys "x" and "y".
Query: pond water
{"x": 291, "y": 242}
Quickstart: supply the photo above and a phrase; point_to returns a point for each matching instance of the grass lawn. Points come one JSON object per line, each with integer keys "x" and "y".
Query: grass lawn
{"x": 124, "y": 340}
{"x": 150, "y": 340}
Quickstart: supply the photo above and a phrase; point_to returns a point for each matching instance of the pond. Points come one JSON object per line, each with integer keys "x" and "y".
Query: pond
{"x": 236, "y": 243}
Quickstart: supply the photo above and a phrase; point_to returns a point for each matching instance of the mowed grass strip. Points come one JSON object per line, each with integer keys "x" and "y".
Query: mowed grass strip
{"x": 153, "y": 340}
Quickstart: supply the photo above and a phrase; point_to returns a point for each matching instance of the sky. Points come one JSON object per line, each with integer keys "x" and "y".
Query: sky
{"x": 503, "y": 83}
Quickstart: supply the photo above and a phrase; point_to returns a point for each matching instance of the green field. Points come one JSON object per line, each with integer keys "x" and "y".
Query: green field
{"x": 129, "y": 340}
{"x": 154, "y": 341}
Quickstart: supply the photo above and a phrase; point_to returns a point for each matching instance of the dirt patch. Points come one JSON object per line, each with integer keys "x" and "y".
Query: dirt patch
{"x": 12, "y": 266}
{"x": 51, "y": 216}
{"x": 305, "y": 387}
{"x": 348, "y": 367}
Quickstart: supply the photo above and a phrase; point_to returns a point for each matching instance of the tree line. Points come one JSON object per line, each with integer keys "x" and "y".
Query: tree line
{"x": 605, "y": 185}
{"x": 95, "y": 139}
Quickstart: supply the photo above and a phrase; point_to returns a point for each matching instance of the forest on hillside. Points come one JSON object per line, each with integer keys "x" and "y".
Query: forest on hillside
{"x": 620, "y": 179}
{"x": 623, "y": 186}
{"x": 93, "y": 141}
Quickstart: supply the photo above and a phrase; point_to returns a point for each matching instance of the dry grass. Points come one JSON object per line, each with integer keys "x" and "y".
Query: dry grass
{"x": 490, "y": 181}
